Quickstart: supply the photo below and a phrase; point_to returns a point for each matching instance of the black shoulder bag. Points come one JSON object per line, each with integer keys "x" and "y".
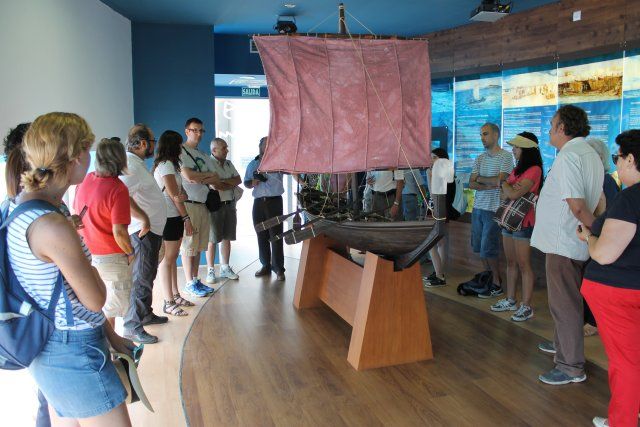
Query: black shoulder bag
{"x": 213, "y": 202}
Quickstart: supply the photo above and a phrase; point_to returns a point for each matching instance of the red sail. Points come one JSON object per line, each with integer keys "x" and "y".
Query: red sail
{"x": 342, "y": 105}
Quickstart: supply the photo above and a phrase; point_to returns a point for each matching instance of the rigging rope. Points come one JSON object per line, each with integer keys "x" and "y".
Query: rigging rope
{"x": 395, "y": 134}
{"x": 321, "y": 22}
{"x": 358, "y": 21}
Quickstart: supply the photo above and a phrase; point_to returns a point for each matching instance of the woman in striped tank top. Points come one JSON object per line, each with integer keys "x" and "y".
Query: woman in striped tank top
{"x": 74, "y": 370}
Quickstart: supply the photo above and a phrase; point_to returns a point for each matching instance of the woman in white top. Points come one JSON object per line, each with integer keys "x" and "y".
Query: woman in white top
{"x": 166, "y": 171}
{"x": 74, "y": 369}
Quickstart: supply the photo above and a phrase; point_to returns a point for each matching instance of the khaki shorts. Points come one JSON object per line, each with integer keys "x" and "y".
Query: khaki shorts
{"x": 115, "y": 272}
{"x": 223, "y": 223}
{"x": 199, "y": 241}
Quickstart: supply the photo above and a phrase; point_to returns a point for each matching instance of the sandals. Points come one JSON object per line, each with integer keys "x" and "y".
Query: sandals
{"x": 181, "y": 301}
{"x": 173, "y": 308}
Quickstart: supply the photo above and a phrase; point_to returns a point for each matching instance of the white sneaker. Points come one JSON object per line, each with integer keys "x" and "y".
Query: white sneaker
{"x": 523, "y": 313}
{"x": 211, "y": 276}
{"x": 228, "y": 273}
{"x": 600, "y": 422}
{"x": 504, "y": 305}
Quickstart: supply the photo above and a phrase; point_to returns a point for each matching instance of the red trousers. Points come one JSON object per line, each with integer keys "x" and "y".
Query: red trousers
{"x": 617, "y": 312}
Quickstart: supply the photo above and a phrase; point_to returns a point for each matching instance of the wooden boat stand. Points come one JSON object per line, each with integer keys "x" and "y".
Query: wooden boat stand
{"x": 386, "y": 308}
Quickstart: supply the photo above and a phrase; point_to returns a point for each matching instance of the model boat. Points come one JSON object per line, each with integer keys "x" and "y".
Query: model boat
{"x": 345, "y": 104}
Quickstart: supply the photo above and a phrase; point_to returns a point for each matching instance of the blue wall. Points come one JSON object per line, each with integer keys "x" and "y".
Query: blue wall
{"x": 173, "y": 68}
{"x": 233, "y": 57}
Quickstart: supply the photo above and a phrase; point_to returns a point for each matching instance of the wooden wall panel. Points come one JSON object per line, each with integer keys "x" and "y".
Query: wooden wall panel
{"x": 441, "y": 47}
{"x": 537, "y": 36}
{"x": 541, "y": 35}
{"x": 601, "y": 26}
{"x": 478, "y": 46}
{"x": 632, "y": 22}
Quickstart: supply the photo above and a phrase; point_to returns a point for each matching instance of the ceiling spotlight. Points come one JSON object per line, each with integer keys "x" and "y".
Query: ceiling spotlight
{"x": 286, "y": 25}
{"x": 289, "y": 5}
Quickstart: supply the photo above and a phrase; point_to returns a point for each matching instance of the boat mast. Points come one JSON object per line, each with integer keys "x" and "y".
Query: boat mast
{"x": 355, "y": 200}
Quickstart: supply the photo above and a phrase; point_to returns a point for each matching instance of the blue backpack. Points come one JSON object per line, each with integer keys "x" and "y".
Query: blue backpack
{"x": 24, "y": 327}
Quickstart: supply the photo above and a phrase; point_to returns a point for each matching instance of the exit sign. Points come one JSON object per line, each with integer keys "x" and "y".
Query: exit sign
{"x": 251, "y": 91}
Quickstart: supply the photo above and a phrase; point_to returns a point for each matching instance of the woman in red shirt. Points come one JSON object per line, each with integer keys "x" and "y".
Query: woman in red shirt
{"x": 526, "y": 177}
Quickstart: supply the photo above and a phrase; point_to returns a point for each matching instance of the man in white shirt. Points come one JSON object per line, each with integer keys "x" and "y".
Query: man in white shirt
{"x": 223, "y": 221}
{"x": 569, "y": 197}
{"x": 387, "y": 188}
{"x": 198, "y": 177}
{"x": 148, "y": 218}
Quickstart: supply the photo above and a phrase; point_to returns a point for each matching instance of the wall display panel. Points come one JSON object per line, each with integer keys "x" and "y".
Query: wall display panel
{"x": 595, "y": 84}
{"x": 529, "y": 101}
{"x": 631, "y": 91}
{"x": 442, "y": 109}
{"x": 478, "y": 100}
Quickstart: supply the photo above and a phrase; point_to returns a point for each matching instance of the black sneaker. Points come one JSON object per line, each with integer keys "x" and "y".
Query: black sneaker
{"x": 494, "y": 291}
{"x": 433, "y": 281}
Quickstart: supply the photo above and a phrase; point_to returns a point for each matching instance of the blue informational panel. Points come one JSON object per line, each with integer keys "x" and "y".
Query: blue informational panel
{"x": 529, "y": 101}
{"x": 478, "y": 100}
{"x": 595, "y": 84}
{"x": 631, "y": 91}
{"x": 442, "y": 108}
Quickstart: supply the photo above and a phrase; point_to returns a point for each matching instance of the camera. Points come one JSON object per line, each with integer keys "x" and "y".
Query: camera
{"x": 260, "y": 176}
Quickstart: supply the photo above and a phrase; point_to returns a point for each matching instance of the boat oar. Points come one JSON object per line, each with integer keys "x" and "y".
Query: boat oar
{"x": 272, "y": 222}
{"x": 307, "y": 232}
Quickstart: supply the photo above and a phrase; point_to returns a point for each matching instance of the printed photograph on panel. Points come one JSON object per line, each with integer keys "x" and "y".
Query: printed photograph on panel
{"x": 530, "y": 89}
{"x": 598, "y": 81}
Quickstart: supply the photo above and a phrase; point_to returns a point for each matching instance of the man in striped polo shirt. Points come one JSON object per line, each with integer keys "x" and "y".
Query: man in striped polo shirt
{"x": 489, "y": 170}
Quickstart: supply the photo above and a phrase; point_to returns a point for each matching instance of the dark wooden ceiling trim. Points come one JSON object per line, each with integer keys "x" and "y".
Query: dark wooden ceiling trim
{"x": 538, "y": 36}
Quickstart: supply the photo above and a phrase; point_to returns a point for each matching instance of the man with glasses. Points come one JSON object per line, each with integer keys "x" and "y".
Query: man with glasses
{"x": 197, "y": 171}
{"x": 148, "y": 218}
{"x": 569, "y": 197}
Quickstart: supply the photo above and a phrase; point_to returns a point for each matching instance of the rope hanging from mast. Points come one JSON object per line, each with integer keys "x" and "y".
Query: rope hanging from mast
{"x": 343, "y": 24}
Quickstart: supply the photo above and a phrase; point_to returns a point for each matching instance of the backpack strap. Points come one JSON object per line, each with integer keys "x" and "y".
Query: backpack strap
{"x": 58, "y": 288}
{"x": 27, "y": 206}
{"x": 192, "y": 158}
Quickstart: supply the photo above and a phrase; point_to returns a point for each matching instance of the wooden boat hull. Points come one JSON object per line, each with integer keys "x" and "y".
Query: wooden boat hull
{"x": 387, "y": 239}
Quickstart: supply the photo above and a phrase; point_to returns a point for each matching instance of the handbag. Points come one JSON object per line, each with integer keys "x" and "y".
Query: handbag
{"x": 213, "y": 201}
{"x": 237, "y": 193}
{"x": 511, "y": 213}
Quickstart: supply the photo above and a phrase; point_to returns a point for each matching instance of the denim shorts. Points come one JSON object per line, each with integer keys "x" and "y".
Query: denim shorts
{"x": 485, "y": 233}
{"x": 524, "y": 233}
{"x": 75, "y": 374}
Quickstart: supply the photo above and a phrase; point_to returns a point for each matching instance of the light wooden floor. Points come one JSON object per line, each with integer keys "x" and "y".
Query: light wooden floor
{"x": 251, "y": 359}
{"x": 541, "y": 324}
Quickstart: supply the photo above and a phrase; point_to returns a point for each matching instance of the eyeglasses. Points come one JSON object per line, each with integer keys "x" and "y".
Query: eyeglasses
{"x": 615, "y": 158}
{"x": 197, "y": 130}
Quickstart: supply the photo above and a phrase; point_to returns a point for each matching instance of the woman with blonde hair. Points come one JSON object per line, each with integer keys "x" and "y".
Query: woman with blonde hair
{"x": 74, "y": 369}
